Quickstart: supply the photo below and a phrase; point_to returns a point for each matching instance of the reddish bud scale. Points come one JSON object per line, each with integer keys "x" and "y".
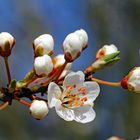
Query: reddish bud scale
{"x": 101, "y": 54}
{"x": 124, "y": 82}
{"x": 5, "y": 54}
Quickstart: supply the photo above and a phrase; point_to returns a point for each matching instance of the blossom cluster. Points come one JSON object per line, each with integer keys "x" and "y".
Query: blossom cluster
{"x": 75, "y": 100}
{"x": 71, "y": 93}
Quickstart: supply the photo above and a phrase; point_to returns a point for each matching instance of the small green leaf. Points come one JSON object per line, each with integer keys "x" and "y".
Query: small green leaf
{"x": 12, "y": 85}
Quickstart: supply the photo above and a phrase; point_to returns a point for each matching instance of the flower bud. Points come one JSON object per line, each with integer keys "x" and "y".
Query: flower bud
{"x": 106, "y": 50}
{"x": 58, "y": 61}
{"x": 132, "y": 80}
{"x": 104, "y": 61}
{"x": 44, "y": 44}
{"x": 72, "y": 47}
{"x": 43, "y": 65}
{"x": 7, "y": 42}
{"x": 39, "y": 109}
{"x": 83, "y": 37}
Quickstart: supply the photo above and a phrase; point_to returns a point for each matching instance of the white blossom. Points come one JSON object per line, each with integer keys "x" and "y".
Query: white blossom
{"x": 133, "y": 80}
{"x": 75, "y": 101}
{"x": 106, "y": 50}
{"x": 43, "y": 65}
{"x": 44, "y": 44}
{"x": 39, "y": 109}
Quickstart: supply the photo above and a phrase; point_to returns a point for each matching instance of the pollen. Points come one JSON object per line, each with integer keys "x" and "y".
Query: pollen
{"x": 75, "y": 99}
{"x": 84, "y": 99}
{"x": 82, "y": 103}
{"x": 79, "y": 89}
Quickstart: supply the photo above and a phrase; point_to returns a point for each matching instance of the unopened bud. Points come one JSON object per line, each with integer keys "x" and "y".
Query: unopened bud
{"x": 39, "y": 109}
{"x": 43, "y": 65}
{"x": 132, "y": 81}
{"x": 58, "y": 61}
{"x": 106, "y": 50}
{"x": 72, "y": 47}
{"x": 74, "y": 43}
{"x": 44, "y": 44}
{"x": 104, "y": 61}
{"x": 83, "y": 37}
{"x": 7, "y": 42}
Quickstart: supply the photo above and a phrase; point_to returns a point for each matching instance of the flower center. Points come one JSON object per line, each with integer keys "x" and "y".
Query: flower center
{"x": 74, "y": 96}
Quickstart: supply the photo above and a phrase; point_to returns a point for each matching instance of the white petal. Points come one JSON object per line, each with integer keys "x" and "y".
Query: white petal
{"x": 58, "y": 60}
{"x": 43, "y": 64}
{"x": 83, "y": 36}
{"x": 4, "y": 37}
{"x": 54, "y": 93}
{"x": 39, "y": 109}
{"x": 72, "y": 44}
{"x": 135, "y": 72}
{"x": 74, "y": 78}
{"x": 84, "y": 114}
{"x": 93, "y": 90}
{"x": 106, "y": 50}
{"x": 110, "y": 49}
{"x": 45, "y": 41}
{"x": 134, "y": 79}
{"x": 64, "y": 113}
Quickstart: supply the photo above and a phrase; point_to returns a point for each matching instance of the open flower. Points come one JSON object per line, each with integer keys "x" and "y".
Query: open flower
{"x": 7, "y": 42}
{"x": 106, "y": 50}
{"x": 75, "y": 101}
{"x": 39, "y": 109}
{"x": 132, "y": 80}
{"x": 43, "y": 65}
{"x": 74, "y": 43}
{"x": 44, "y": 44}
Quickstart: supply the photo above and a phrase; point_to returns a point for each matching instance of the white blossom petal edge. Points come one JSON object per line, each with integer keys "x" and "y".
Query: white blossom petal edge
{"x": 75, "y": 100}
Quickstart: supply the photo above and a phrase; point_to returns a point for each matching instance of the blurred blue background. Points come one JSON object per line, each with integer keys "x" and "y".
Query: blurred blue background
{"x": 106, "y": 22}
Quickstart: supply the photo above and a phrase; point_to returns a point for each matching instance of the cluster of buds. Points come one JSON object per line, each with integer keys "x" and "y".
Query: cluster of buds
{"x": 43, "y": 48}
{"x": 71, "y": 93}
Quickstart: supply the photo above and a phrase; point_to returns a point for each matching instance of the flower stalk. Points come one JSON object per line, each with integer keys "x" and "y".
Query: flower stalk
{"x": 55, "y": 76}
{"x": 60, "y": 71}
{"x": 22, "y": 101}
{"x": 7, "y": 69}
{"x": 4, "y": 105}
{"x": 114, "y": 84}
